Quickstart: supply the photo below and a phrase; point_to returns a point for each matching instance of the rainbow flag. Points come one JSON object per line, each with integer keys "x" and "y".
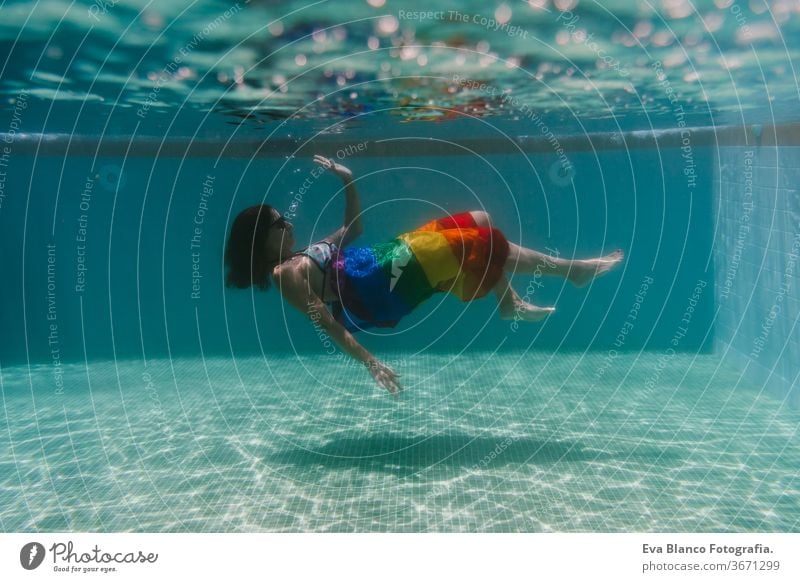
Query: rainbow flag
{"x": 380, "y": 284}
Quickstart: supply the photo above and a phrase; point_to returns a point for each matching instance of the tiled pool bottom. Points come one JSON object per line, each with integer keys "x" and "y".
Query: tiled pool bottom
{"x": 478, "y": 442}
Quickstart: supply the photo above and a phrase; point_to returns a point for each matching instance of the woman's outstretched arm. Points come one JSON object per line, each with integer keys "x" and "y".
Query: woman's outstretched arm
{"x": 352, "y": 227}
{"x": 294, "y": 286}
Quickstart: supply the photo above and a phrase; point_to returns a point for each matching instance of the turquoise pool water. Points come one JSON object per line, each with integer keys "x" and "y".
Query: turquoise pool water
{"x": 206, "y": 67}
{"x": 485, "y": 442}
{"x": 139, "y": 394}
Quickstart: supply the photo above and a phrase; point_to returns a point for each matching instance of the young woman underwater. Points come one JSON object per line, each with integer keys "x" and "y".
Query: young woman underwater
{"x": 364, "y": 287}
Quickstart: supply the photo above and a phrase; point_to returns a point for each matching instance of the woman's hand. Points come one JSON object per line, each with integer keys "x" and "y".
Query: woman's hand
{"x": 338, "y": 169}
{"x": 384, "y": 376}
{"x": 351, "y": 227}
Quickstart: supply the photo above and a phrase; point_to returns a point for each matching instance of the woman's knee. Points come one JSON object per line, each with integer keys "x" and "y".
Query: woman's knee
{"x": 512, "y": 263}
{"x": 482, "y": 218}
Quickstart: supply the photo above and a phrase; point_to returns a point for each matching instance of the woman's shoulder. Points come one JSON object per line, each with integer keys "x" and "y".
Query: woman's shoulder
{"x": 291, "y": 270}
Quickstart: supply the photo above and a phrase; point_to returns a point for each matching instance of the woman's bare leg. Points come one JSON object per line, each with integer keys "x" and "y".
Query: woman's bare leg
{"x": 511, "y": 304}
{"x": 579, "y": 271}
{"x": 523, "y": 260}
{"x": 513, "y": 307}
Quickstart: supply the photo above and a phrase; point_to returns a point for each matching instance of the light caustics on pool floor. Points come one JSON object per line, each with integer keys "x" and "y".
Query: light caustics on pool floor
{"x": 518, "y": 442}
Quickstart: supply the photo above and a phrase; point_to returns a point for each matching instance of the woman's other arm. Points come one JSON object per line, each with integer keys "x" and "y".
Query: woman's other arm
{"x": 293, "y": 285}
{"x": 352, "y": 227}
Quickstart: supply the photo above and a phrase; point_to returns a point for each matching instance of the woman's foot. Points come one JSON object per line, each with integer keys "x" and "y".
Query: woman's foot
{"x": 583, "y": 271}
{"x": 522, "y": 311}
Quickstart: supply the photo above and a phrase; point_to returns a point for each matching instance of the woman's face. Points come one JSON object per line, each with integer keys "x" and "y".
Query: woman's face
{"x": 280, "y": 239}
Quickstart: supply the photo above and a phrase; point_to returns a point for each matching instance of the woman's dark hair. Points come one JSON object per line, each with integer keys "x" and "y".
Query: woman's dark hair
{"x": 245, "y": 254}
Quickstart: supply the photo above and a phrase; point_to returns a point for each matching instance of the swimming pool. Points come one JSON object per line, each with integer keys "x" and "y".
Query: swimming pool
{"x": 515, "y": 442}
{"x": 139, "y": 394}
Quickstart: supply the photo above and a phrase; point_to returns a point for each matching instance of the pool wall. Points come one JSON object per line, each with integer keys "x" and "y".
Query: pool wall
{"x": 119, "y": 257}
{"x": 757, "y": 242}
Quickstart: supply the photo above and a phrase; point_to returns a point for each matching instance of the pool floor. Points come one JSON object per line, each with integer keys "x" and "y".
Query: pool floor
{"x": 519, "y": 442}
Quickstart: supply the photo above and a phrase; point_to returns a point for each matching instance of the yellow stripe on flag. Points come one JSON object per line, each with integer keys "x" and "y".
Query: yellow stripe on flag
{"x": 434, "y": 256}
